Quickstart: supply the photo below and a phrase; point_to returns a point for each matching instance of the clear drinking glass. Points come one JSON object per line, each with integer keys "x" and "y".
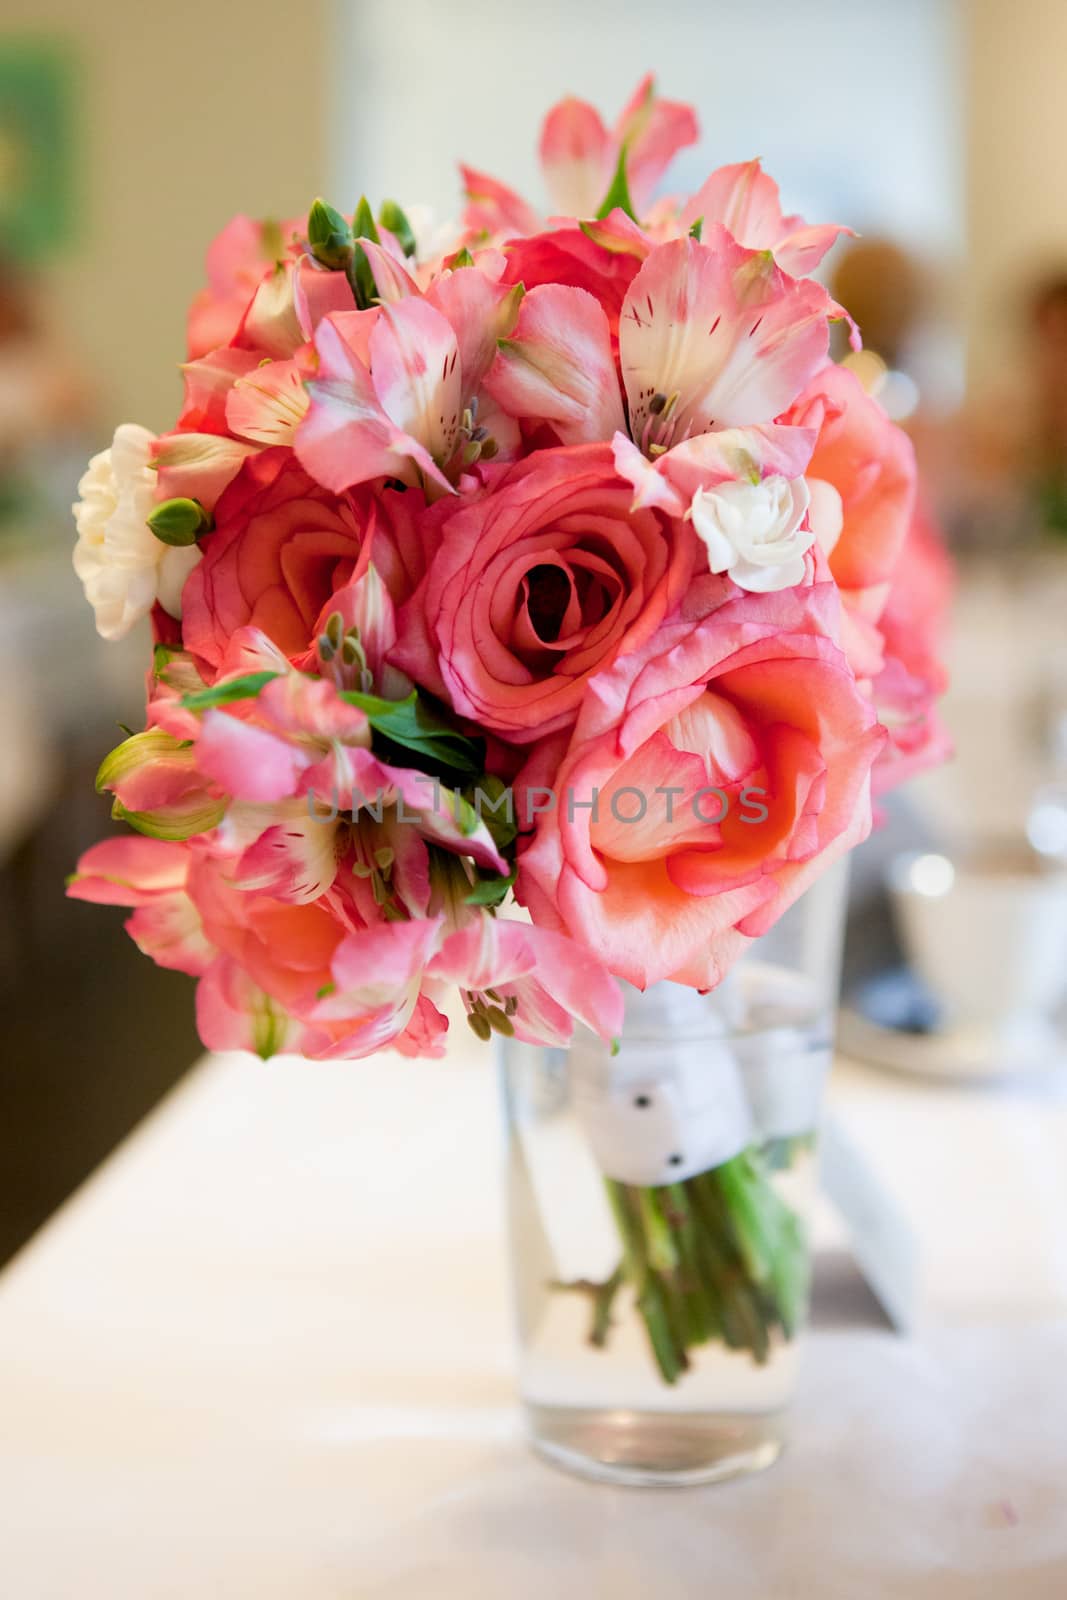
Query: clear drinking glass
{"x": 658, "y": 1199}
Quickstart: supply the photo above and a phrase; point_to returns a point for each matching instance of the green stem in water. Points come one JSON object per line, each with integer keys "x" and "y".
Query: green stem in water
{"x": 716, "y": 1256}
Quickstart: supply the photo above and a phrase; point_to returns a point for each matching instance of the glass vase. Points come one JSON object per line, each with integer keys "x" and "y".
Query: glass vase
{"x": 658, "y": 1196}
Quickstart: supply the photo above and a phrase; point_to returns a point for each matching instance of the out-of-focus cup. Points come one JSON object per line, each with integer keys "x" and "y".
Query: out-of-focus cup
{"x": 987, "y": 932}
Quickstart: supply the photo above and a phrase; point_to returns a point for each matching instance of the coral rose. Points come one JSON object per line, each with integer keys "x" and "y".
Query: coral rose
{"x": 538, "y": 585}
{"x": 710, "y": 776}
{"x": 282, "y": 548}
{"x": 861, "y": 478}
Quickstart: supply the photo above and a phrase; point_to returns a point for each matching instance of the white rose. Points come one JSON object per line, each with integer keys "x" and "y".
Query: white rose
{"x": 123, "y": 567}
{"x": 753, "y": 531}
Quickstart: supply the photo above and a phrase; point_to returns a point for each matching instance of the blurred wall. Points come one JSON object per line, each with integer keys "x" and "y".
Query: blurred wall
{"x": 187, "y": 114}
{"x": 853, "y": 106}
{"x": 1017, "y": 175}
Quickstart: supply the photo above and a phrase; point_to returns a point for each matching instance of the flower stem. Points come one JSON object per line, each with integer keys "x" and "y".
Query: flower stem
{"x": 718, "y": 1256}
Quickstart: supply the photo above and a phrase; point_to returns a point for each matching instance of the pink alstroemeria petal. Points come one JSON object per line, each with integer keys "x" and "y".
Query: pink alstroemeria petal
{"x": 653, "y": 131}
{"x": 480, "y": 310}
{"x": 295, "y": 859}
{"x": 557, "y": 366}
{"x": 745, "y": 200}
{"x": 415, "y": 368}
{"x": 198, "y": 466}
{"x": 249, "y": 763}
{"x": 577, "y": 155}
{"x": 493, "y": 208}
{"x": 129, "y": 871}
{"x": 268, "y": 404}
{"x": 347, "y": 437}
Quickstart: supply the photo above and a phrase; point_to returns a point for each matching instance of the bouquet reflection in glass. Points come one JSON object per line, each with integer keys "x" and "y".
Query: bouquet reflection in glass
{"x": 659, "y": 1194}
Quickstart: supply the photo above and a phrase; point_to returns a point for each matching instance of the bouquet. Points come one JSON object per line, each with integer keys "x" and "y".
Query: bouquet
{"x": 538, "y": 562}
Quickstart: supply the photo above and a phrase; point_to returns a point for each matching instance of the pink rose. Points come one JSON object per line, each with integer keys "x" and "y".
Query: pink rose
{"x": 710, "y": 776}
{"x": 538, "y": 585}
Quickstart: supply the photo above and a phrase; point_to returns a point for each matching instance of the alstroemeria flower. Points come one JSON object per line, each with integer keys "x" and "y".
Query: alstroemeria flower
{"x": 541, "y": 981}
{"x": 396, "y": 391}
{"x": 151, "y": 875}
{"x": 715, "y": 342}
{"x": 745, "y": 200}
{"x": 579, "y": 155}
{"x": 291, "y": 738}
{"x": 237, "y": 259}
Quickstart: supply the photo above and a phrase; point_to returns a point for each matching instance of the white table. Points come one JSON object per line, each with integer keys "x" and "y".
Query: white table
{"x": 265, "y": 1353}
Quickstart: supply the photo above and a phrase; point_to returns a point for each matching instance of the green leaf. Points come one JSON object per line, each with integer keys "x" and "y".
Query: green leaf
{"x": 462, "y": 258}
{"x": 618, "y": 195}
{"x": 246, "y": 687}
{"x": 413, "y": 725}
{"x": 491, "y": 800}
{"x": 390, "y": 216}
{"x": 179, "y": 521}
{"x": 329, "y": 236}
{"x": 491, "y": 891}
{"x": 697, "y": 229}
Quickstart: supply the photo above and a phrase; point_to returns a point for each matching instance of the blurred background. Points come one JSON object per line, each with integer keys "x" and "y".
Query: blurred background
{"x": 129, "y": 134}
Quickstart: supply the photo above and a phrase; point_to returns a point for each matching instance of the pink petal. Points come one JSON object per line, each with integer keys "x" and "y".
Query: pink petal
{"x": 800, "y": 253}
{"x": 653, "y": 132}
{"x": 294, "y": 860}
{"x": 378, "y": 967}
{"x": 391, "y": 279}
{"x": 347, "y": 437}
{"x": 198, "y": 466}
{"x": 493, "y": 208}
{"x": 208, "y": 382}
{"x": 268, "y": 404}
{"x": 577, "y": 155}
{"x": 129, "y": 871}
{"x": 417, "y": 379}
{"x": 169, "y": 931}
{"x": 233, "y": 1013}
{"x": 652, "y": 487}
{"x": 248, "y": 762}
{"x": 480, "y": 310}
{"x": 557, "y": 366}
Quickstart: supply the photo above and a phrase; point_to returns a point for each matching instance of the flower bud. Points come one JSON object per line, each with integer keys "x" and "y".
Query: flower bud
{"x": 180, "y": 521}
{"x": 329, "y": 236}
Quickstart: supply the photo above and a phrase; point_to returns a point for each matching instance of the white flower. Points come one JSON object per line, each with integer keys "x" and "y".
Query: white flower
{"x": 123, "y": 567}
{"x": 753, "y": 531}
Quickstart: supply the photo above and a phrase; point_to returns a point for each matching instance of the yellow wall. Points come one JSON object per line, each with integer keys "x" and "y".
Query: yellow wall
{"x": 1017, "y": 136}
{"x": 189, "y": 112}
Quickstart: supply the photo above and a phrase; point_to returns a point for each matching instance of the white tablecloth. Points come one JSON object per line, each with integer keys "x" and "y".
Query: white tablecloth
{"x": 265, "y": 1353}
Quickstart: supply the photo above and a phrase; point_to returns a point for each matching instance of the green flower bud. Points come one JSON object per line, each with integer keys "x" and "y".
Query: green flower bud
{"x": 363, "y": 223}
{"x": 390, "y": 216}
{"x": 179, "y": 521}
{"x": 329, "y": 236}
